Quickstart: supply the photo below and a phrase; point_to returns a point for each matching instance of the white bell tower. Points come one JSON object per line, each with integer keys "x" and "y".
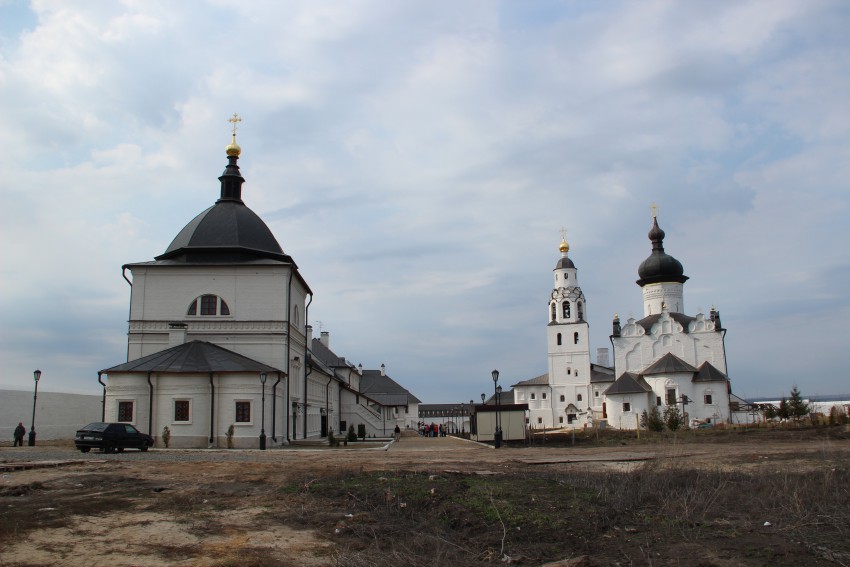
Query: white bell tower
{"x": 568, "y": 337}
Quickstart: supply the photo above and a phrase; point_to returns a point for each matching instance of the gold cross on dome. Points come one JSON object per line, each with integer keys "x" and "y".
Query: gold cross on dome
{"x": 234, "y": 119}
{"x": 563, "y": 233}
{"x": 654, "y": 209}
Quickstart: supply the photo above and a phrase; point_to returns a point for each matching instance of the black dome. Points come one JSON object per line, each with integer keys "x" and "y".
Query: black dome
{"x": 659, "y": 267}
{"x": 227, "y": 232}
{"x": 563, "y": 263}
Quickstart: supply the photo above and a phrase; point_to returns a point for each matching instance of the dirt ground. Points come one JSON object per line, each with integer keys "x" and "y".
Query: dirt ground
{"x": 766, "y": 497}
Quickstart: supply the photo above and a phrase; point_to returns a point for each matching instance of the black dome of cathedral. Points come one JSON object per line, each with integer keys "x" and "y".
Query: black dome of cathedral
{"x": 227, "y": 232}
{"x": 660, "y": 266}
{"x": 564, "y": 262}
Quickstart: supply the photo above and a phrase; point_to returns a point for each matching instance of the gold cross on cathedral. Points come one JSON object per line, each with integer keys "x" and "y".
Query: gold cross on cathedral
{"x": 234, "y": 119}
{"x": 654, "y": 210}
{"x": 563, "y": 233}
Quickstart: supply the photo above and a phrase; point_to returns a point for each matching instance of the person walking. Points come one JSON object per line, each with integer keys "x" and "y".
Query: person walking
{"x": 20, "y": 431}
{"x": 397, "y": 434}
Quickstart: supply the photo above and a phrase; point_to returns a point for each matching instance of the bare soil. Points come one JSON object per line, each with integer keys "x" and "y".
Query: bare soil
{"x": 761, "y": 497}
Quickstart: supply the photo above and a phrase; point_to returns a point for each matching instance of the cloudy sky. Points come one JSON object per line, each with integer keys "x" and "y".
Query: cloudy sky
{"x": 418, "y": 160}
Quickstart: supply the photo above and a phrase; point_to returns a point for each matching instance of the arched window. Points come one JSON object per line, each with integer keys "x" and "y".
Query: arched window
{"x": 575, "y": 338}
{"x": 209, "y": 305}
{"x": 580, "y": 311}
{"x": 578, "y": 397}
{"x": 566, "y": 310}
{"x": 559, "y": 338}
{"x": 553, "y": 311}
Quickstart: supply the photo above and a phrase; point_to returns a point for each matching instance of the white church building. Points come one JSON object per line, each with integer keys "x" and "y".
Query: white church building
{"x": 666, "y": 357}
{"x": 219, "y": 348}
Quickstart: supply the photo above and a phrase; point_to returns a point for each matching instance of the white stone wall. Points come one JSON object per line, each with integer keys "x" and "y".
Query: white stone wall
{"x": 667, "y": 295}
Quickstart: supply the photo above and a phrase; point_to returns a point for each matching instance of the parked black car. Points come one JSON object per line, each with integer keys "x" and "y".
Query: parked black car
{"x": 111, "y": 437}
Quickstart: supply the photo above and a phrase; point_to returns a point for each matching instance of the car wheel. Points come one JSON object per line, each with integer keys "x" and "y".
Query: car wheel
{"x": 144, "y": 448}
{"x": 108, "y": 449}
{"x": 85, "y": 449}
{"x": 120, "y": 449}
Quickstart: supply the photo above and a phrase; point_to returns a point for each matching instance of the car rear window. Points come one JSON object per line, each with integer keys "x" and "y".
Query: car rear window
{"x": 95, "y": 427}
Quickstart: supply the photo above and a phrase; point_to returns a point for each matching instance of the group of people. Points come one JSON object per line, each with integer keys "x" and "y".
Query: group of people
{"x": 431, "y": 430}
{"x": 20, "y": 431}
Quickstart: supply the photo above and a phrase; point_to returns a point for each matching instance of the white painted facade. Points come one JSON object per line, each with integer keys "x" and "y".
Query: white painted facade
{"x": 694, "y": 340}
{"x": 562, "y": 397}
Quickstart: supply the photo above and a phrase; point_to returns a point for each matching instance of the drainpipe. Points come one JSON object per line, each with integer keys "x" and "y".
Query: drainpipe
{"x": 728, "y": 382}
{"x": 212, "y": 410}
{"x": 274, "y": 406}
{"x": 150, "y": 406}
{"x": 551, "y": 403}
{"x": 288, "y": 339}
{"x": 129, "y": 309}
{"x": 102, "y": 401}
{"x": 307, "y": 369}
{"x": 328, "y": 401}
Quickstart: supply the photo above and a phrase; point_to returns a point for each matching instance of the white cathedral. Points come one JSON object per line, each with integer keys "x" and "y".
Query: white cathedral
{"x": 665, "y": 358}
{"x": 219, "y": 348}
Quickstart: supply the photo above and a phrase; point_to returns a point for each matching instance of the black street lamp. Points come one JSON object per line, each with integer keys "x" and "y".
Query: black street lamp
{"x": 263, "y": 413}
{"x": 36, "y": 376}
{"x": 497, "y": 436}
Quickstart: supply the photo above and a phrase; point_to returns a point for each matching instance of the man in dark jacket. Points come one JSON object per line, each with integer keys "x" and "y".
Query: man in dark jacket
{"x": 20, "y": 431}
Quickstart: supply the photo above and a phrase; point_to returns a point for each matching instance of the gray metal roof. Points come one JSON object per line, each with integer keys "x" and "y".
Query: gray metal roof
{"x": 659, "y": 266}
{"x": 226, "y": 232}
{"x": 650, "y": 320}
{"x": 628, "y": 383}
{"x": 668, "y": 364}
{"x": 192, "y": 358}
{"x": 543, "y": 379}
{"x": 708, "y": 373}
{"x": 601, "y": 374}
{"x": 373, "y": 383}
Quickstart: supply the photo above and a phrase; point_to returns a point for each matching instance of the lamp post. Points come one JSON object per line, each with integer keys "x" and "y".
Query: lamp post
{"x": 36, "y": 376}
{"x": 263, "y": 413}
{"x": 497, "y": 436}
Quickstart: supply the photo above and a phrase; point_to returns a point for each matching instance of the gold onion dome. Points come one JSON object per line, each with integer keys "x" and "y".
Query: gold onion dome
{"x": 233, "y": 148}
{"x": 564, "y": 247}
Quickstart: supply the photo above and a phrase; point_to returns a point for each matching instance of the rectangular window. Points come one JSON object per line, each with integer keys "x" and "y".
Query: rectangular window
{"x": 658, "y": 400}
{"x": 181, "y": 410}
{"x": 532, "y": 395}
{"x": 208, "y": 304}
{"x": 563, "y": 398}
{"x": 539, "y": 420}
{"x": 671, "y": 396}
{"x": 596, "y": 393}
{"x": 707, "y": 399}
{"x": 125, "y": 411}
{"x": 560, "y": 419}
{"x": 243, "y": 412}
{"x": 578, "y": 398}
{"x": 627, "y": 407}
{"x": 543, "y": 395}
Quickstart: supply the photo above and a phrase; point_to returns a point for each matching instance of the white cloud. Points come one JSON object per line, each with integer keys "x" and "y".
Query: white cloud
{"x": 418, "y": 162}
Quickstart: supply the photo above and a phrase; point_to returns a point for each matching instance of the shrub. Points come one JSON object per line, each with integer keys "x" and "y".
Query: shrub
{"x": 672, "y": 417}
{"x": 652, "y": 420}
{"x": 837, "y": 415}
{"x": 332, "y": 441}
{"x": 166, "y": 436}
{"x": 230, "y": 432}
{"x": 797, "y": 406}
{"x": 352, "y": 436}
